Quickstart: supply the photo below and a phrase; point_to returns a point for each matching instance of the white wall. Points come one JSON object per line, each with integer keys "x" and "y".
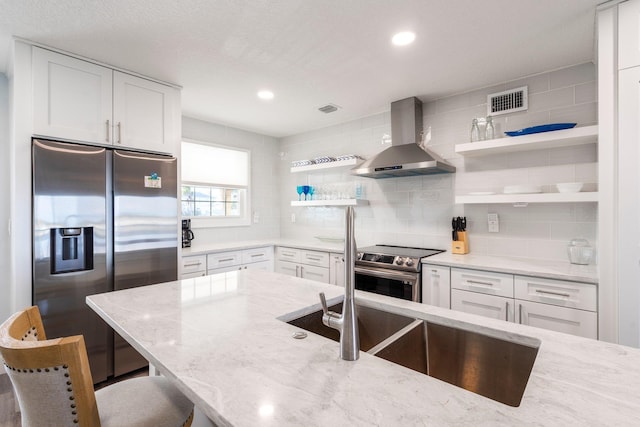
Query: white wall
{"x": 5, "y": 301}
{"x": 417, "y": 211}
{"x": 264, "y": 186}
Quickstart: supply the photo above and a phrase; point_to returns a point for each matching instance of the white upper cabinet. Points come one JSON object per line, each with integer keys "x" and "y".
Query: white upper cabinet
{"x": 629, "y": 34}
{"x": 72, "y": 98}
{"x": 82, "y": 101}
{"x": 142, "y": 113}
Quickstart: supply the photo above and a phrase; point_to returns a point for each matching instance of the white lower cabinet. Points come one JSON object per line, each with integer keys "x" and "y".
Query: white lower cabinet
{"x": 436, "y": 285}
{"x": 193, "y": 266}
{"x": 557, "y": 305}
{"x": 220, "y": 262}
{"x": 568, "y": 320}
{"x": 336, "y": 269}
{"x": 312, "y": 265}
{"x": 492, "y": 306}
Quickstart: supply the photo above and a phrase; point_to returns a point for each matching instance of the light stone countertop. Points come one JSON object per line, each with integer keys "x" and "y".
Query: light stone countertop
{"x": 528, "y": 267}
{"x": 523, "y": 266}
{"x": 207, "y": 248}
{"x": 220, "y": 340}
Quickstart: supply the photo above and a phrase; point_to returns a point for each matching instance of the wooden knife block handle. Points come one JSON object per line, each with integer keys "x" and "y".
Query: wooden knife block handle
{"x": 460, "y": 246}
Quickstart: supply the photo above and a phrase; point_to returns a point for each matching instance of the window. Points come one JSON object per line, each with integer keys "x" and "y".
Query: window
{"x": 215, "y": 184}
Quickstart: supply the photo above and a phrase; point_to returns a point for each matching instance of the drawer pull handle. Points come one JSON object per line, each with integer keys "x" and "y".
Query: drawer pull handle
{"x": 287, "y": 254}
{"x": 226, "y": 260}
{"x": 476, "y": 283}
{"x": 314, "y": 258}
{"x": 559, "y": 294}
{"x": 192, "y": 264}
{"x": 256, "y": 255}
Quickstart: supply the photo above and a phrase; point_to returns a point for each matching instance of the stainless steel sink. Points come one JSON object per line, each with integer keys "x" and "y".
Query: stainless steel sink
{"x": 374, "y": 325}
{"x": 492, "y": 367}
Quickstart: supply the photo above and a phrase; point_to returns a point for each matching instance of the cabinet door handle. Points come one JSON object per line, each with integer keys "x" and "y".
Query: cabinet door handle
{"x": 559, "y": 294}
{"x": 107, "y": 139}
{"x": 193, "y": 264}
{"x": 520, "y": 314}
{"x": 506, "y": 311}
{"x": 119, "y": 133}
{"x": 297, "y": 267}
{"x": 477, "y": 283}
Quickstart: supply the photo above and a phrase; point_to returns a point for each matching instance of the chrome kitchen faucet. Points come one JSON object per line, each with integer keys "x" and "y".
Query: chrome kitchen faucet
{"x": 347, "y": 322}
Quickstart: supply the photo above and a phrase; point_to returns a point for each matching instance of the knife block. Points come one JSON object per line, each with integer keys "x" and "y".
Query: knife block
{"x": 460, "y": 246}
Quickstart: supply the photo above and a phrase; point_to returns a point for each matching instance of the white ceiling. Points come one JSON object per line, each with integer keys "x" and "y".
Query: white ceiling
{"x": 310, "y": 53}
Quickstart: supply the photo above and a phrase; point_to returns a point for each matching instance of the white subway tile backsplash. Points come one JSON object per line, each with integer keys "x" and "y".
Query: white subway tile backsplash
{"x": 417, "y": 211}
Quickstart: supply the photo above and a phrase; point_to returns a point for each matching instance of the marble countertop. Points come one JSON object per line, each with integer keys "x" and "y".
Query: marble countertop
{"x": 316, "y": 245}
{"x": 221, "y": 339}
{"x": 539, "y": 268}
{"x": 549, "y": 269}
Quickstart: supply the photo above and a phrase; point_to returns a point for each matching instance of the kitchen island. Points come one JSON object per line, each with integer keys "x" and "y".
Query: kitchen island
{"x": 223, "y": 341}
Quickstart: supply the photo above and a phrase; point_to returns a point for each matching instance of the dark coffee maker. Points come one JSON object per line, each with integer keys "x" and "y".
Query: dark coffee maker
{"x": 187, "y": 234}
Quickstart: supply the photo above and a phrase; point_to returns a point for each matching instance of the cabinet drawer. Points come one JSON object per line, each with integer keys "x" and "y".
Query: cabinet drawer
{"x": 482, "y": 281}
{"x": 557, "y": 292}
{"x": 194, "y": 264}
{"x": 288, "y": 254}
{"x": 311, "y": 272}
{"x": 194, "y": 274}
{"x": 257, "y": 255}
{"x": 224, "y": 259}
{"x": 320, "y": 259}
{"x": 559, "y": 319}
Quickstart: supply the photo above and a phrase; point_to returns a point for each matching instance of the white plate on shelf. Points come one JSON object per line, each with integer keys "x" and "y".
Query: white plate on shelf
{"x": 481, "y": 193}
{"x": 522, "y": 189}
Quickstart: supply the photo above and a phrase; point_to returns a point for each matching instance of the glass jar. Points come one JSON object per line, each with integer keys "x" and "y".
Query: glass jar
{"x": 489, "y": 130}
{"x": 475, "y": 131}
{"x": 580, "y": 252}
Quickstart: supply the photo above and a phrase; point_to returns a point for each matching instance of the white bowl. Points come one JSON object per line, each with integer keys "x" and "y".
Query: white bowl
{"x": 570, "y": 187}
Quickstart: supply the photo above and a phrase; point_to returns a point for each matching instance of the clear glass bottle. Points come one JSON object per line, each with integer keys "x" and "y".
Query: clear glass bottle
{"x": 475, "y": 131}
{"x": 489, "y": 130}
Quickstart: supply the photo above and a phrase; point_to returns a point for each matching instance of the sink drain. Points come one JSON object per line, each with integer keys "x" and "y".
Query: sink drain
{"x": 299, "y": 335}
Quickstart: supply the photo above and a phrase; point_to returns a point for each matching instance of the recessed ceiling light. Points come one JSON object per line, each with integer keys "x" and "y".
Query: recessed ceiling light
{"x": 265, "y": 94}
{"x": 404, "y": 38}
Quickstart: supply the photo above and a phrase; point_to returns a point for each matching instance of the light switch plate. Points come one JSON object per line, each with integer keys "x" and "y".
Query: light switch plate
{"x": 494, "y": 223}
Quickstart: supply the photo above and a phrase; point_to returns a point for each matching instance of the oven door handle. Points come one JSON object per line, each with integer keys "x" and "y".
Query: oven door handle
{"x": 387, "y": 274}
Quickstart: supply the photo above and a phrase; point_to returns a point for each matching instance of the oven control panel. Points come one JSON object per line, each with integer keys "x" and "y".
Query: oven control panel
{"x": 388, "y": 261}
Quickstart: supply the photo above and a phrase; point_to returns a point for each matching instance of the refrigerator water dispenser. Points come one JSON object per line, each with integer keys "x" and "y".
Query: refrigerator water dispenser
{"x": 71, "y": 249}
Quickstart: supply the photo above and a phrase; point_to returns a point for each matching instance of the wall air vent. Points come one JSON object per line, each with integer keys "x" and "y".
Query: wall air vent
{"x": 508, "y": 101}
{"x": 329, "y": 108}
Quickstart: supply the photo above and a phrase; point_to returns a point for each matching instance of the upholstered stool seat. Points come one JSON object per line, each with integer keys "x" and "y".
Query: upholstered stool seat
{"x": 144, "y": 401}
{"x": 53, "y": 384}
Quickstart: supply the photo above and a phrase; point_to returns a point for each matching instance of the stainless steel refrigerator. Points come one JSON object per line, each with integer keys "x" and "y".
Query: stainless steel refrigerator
{"x": 103, "y": 219}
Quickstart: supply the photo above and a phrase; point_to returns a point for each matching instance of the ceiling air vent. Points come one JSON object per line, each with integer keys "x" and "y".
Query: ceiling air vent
{"x": 329, "y": 108}
{"x": 508, "y": 101}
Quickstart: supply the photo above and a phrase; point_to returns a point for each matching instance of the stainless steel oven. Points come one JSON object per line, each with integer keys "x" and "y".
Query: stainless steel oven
{"x": 391, "y": 270}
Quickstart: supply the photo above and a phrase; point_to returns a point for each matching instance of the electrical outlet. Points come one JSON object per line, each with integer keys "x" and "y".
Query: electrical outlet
{"x": 494, "y": 223}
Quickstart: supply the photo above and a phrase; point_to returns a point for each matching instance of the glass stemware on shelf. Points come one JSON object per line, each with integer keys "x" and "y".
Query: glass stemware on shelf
{"x": 311, "y": 191}
{"x": 299, "y": 190}
{"x": 305, "y": 191}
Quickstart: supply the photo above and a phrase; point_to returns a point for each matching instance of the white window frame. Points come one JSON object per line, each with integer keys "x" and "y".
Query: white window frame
{"x": 245, "y": 202}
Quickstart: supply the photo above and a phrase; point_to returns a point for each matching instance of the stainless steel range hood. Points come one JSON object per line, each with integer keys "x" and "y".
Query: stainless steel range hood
{"x": 405, "y": 157}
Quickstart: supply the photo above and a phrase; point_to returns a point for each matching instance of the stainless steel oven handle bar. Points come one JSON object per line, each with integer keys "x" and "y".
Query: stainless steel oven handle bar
{"x": 387, "y": 274}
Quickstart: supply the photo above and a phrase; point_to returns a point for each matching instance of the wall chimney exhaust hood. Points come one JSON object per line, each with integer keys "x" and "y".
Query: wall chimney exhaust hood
{"x": 405, "y": 157}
